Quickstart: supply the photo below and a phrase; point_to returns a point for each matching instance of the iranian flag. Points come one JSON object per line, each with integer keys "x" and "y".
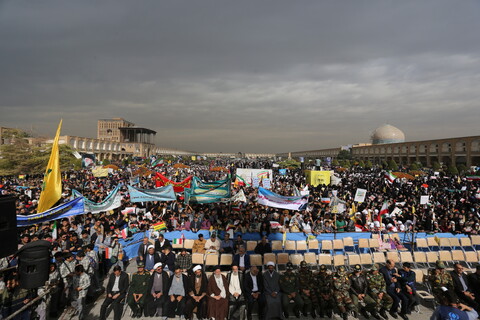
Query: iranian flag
{"x": 124, "y": 233}
{"x": 390, "y": 176}
{"x": 240, "y": 181}
{"x": 179, "y": 240}
{"x": 108, "y": 253}
{"x": 383, "y": 211}
{"x": 54, "y": 231}
{"x": 473, "y": 178}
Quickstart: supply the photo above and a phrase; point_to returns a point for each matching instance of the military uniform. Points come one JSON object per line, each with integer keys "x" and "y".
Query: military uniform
{"x": 306, "y": 284}
{"x": 440, "y": 279}
{"x": 324, "y": 290}
{"x": 341, "y": 292}
{"x": 138, "y": 285}
{"x": 289, "y": 285}
{"x": 377, "y": 285}
{"x": 80, "y": 281}
{"x": 359, "y": 286}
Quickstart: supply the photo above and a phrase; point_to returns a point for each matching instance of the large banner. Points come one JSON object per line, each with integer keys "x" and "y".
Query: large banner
{"x": 88, "y": 160}
{"x": 314, "y": 178}
{"x": 162, "y": 181}
{"x": 143, "y": 195}
{"x": 271, "y": 199}
{"x": 69, "y": 209}
{"x": 246, "y": 176}
{"x": 208, "y": 192}
{"x": 111, "y": 202}
{"x": 100, "y": 172}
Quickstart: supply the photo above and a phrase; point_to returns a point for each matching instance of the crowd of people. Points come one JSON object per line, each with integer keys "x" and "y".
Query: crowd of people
{"x": 79, "y": 244}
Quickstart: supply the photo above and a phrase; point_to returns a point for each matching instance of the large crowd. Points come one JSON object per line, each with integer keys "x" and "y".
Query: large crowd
{"x": 167, "y": 284}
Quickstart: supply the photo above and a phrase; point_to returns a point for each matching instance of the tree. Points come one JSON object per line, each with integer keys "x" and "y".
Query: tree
{"x": 384, "y": 164}
{"x": 462, "y": 168}
{"x": 369, "y": 164}
{"x": 361, "y": 164}
{"x": 344, "y": 155}
{"x": 436, "y": 166}
{"x": 414, "y": 166}
{"x": 106, "y": 162}
{"x": 335, "y": 163}
{"x": 392, "y": 165}
{"x": 452, "y": 170}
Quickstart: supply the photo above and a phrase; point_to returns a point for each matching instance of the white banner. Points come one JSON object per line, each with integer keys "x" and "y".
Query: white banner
{"x": 360, "y": 195}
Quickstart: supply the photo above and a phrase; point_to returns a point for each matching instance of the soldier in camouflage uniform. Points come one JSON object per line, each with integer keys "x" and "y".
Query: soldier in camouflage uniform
{"x": 438, "y": 278}
{"x": 138, "y": 290}
{"x": 358, "y": 291}
{"x": 378, "y": 292}
{"x": 80, "y": 285}
{"x": 324, "y": 289}
{"x": 306, "y": 282}
{"x": 290, "y": 292}
{"x": 341, "y": 293}
{"x": 67, "y": 271}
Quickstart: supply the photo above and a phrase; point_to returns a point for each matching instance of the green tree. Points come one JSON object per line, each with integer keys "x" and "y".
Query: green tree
{"x": 414, "y": 166}
{"x": 369, "y": 164}
{"x": 105, "y": 162}
{"x": 436, "y": 166}
{"x": 344, "y": 155}
{"x": 384, "y": 164}
{"x": 452, "y": 170}
{"x": 335, "y": 163}
{"x": 361, "y": 164}
{"x": 392, "y": 165}
{"x": 462, "y": 168}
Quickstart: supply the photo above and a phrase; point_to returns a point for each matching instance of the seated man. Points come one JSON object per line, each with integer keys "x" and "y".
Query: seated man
{"x": 178, "y": 289}
{"x": 198, "y": 294}
{"x": 138, "y": 290}
{"x": 462, "y": 287}
{"x": 242, "y": 259}
{"x": 226, "y": 246}
{"x": 237, "y": 296}
{"x": 253, "y": 284}
{"x": 157, "y": 292}
{"x": 117, "y": 287}
{"x": 199, "y": 244}
{"x": 263, "y": 247}
{"x": 184, "y": 260}
{"x": 218, "y": 295}
{"x": 213, "y": 244}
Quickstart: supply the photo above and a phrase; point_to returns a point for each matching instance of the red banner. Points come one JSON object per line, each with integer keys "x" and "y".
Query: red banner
{"x": 162, "y": 181}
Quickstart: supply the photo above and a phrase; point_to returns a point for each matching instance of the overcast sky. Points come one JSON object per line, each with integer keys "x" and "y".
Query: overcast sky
{"x": 249, "y": 76}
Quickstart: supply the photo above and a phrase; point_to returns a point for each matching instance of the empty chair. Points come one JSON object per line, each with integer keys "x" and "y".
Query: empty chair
{"x": 338, "y": 245}
{"x": 432, "y": 257}
{"x": 311, "y": 258}
{"x": 374, "y": 244}
{"x": 363, "y": 245}
{"x": 420, "y": 258}
{"x": 301, "y": 246}
{"x": 455, "y": 243}
{"x": 277, "y": 245}
{"x": 458, "y": 256}
{"x": 475, "y": 241}
{"x": 338, "y": 260}
{"x": 188, "y": 244}
{"x": 353, "y": 259}
{"x": 313, "y": 245}
{"x": 444, "y": 244}
{"x": 393, "y": 256}
{"x": 471, "y": 258}
{"x": 197, "y": 258}
{"x": 251, "y": 245}
{"x": 267, "y": 257}
{"x": 226, "y": 259}
{"x": 211, "y": 259}
{"x": 256, "y": 260}
{"x": 446, "y": 257}
{"x": 282, "y": 258}
{"x": 366, "y": 259}
{"x": 327, "y": 245}
{"x": 432, "y": 243}
{"x": 378, "y": 257}
{"x": 421, "y": 244}
{"x": 466, "y": 244}
{"x": 348, "y": 244}
{"x": 296, "y": 258}
{"x": 406, "y": 256}
{"x": 325, "y": 258}
{"x": 290, "y": 246}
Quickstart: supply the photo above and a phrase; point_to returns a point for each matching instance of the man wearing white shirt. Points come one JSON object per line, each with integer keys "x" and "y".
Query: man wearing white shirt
{"x": 213, "y": 244}
{"x": 237, "y": 298}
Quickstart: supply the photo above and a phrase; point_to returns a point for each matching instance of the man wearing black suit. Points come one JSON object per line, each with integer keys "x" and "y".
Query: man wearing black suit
{"x": 161, "y": 243}
{"x": 168, "y": 258}
{"x": 196, "y": 224}
{"x": 151, "y": 259}
{"x": 391, "y": 276}
{"x": 142, "y": 249}
{"x": 117, "y": 288}
{"x": 242, "y": 260}
{"x": 253, "y": 284}
{"x": 462, "y": 288}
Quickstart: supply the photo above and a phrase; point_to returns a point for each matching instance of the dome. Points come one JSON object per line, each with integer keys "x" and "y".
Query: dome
{"x": 387, "y": 134}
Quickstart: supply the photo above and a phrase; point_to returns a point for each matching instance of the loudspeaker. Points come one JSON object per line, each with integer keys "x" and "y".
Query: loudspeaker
{"x": 34, "y": 264}
{"x": 8, "y": 226}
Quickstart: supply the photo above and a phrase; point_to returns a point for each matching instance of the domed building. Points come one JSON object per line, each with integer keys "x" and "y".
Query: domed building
{"x": 387, "y": 134}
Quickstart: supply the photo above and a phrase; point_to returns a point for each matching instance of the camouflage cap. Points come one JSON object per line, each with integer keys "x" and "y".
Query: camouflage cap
{"x": 341, "y": 270}
{"x": 439, "y": 264}
{"x": 374, "y": 268}
{"x": 289, "y": 266}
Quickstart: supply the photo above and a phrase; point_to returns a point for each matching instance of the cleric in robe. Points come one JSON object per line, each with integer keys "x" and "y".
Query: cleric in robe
{"x": 218, "y": 295}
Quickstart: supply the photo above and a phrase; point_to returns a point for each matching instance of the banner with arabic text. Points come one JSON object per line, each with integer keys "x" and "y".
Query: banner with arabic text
{"x": 111, "y": 202}
{"x": 144, "y": 195}
{"x": 69, "y": 209}
{"x": 271, "y": 199}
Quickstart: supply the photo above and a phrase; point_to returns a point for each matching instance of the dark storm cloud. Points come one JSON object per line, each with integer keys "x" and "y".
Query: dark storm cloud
{"x": 251, "y": 76}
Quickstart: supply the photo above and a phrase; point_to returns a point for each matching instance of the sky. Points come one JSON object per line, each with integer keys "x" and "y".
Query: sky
{"x": 243, "y": 76}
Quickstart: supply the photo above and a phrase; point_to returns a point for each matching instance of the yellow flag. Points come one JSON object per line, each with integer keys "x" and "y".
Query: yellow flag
{"x": 353, "y": 210}
{"x": 52, "y": 179}
{"x": 284, "y": 239}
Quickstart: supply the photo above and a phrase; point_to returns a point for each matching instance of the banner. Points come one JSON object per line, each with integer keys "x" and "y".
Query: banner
{"x": 100, "y": 172}
{"x": 360, "y": 195}
{"x": 271, "y": 199}
{"x": 245, "y": 176}
{"x": 282, "y": 172}
{"x": 162, "y": 181}
{"x": 208, "y": 192}
{"x": 144, "y": 195}
{"x": 315, "y": 178}
{"x": 69, "y": 209}
{"x": 111, "y": 202}
{"x": 266, "y": 183}
{"x": 240, "y": 197}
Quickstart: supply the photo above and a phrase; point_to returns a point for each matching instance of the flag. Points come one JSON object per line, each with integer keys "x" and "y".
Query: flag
{"x": 52, "y": 179}
{"x": 179, "y": 240}
{"x": 383, "y": 211}
{"x": 124, "y": 233}
{"x": 390, "y": 176}
{"x": 284, "y": 239}
{"x": 473, "y": 178}
{"x": 159, "y": 226}
{"x": 54, "y": 231}
{"x": 353, "y": 210}
{"x": 325, "y": 200}
{"x": 108, "y": 253}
